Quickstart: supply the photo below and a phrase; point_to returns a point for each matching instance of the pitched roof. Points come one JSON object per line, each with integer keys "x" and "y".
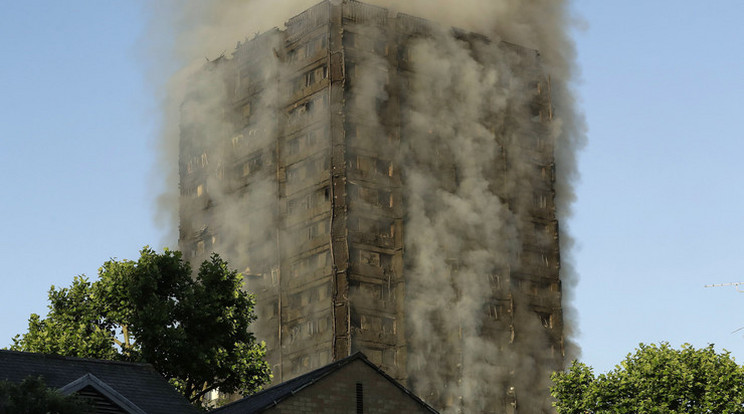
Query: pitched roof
{"x": 90, "y": 380}
{"x": 138, "y": 384}
{"x": 270, "y": 397}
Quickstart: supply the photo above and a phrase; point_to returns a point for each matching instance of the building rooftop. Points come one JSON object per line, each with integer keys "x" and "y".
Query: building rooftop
{"x": 138, "y": 387}
{"x": 270, "y": 397}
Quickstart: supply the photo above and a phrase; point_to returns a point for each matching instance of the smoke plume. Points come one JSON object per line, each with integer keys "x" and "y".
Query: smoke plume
{"x": 465, "y": 109}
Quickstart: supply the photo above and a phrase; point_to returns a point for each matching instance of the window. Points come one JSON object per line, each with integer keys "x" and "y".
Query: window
{"x": 272, "y": 309}
{"x": 300, "y": 112}
{"x": 296, "y": 54}
{"x": 366, "y": 323}
{"x": 292, "y": 206}
{"x": 370, "y": 258}
{"x": 386, "y": 262}
{"x": 541, "y": 200}
{"x": 546, "y": 319}
{"x": 529, "y": 287}
{"x": 321, "y": 101}
{"x": 316, "y": 75}
{"x": 304, "y": 298}
{"x": 385, "y": 198}
{"x": 318, "y": 228}
{"x": 495, "y": 279}
{"x": 404, "y": 53}
{"x": 381, "y": 47}
{"x": 363, "y": 164}
{"x": 310, "y": 78}
{"x": 366, "y": 225}
{"x": 385, "y": 167}
{"x": 274, "y": 276}
{"x": 323, "y": 293}
{"x": 236, "y": 140}
{"x": 321, "y": 72}
{"x": 311, "y": 138}
{"x": 389, "y": 357}
{"x": 359, "y": 398}
{"x": 374, "y": 355}
{"x": 293, "y": 146}
{"x": 370, "y": 291}
{"x": 310, "y": 263}
{"x": 293, "y": 173}
{"x": 309, "y": 49}
{"x": 495, "y": 311}
{"x": 324, "y": 259}
{"x": 350, "y": 39}
{"x": 388, "y": 326}
{"x": 253, "y": 164}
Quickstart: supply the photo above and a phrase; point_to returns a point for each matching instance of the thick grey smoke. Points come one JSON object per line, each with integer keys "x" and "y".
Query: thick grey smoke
{"x": 461, "y": 116}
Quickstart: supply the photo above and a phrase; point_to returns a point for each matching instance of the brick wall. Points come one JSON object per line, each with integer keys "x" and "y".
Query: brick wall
{"x": 337, "y": 394}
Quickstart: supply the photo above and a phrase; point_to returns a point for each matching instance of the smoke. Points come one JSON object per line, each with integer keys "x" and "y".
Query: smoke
{"x": 469, "y": 112}
{"x": 182, "y": 35}
{"x": 466, "y": 118}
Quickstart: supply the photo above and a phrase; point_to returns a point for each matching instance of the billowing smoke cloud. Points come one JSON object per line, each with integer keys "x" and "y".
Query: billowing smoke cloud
{"x": 467, "y": 112}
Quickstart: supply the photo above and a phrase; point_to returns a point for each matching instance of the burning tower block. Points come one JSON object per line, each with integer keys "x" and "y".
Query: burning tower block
{"x": 385, "y": 185}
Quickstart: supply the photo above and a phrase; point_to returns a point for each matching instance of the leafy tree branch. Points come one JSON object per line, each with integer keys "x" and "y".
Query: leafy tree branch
{"x": 654, "y": 379}
{"x": 194, "y": 330}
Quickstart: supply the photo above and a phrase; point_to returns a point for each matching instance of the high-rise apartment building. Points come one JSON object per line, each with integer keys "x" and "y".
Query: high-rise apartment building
{"x": 386, "y": 185}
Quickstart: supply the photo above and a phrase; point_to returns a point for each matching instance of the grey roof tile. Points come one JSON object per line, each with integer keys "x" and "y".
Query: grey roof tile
{"x": 138, "y": 383}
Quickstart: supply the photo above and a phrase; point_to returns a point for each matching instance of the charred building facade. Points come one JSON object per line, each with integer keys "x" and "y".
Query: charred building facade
{"x": 386, "y": 186}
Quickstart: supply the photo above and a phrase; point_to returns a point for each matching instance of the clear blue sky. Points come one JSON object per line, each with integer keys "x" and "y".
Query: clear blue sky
{"x": 659, "y": 204}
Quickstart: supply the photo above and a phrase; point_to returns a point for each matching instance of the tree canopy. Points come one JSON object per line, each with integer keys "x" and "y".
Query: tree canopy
{"x": 193, "y": 329}
{"x": 655, "y": 379}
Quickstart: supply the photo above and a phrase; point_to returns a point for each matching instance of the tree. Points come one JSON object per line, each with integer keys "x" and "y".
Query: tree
{"x": 655, "y": 379}
{"x": 194, "y": 331}
{"x": 33, "y": 396}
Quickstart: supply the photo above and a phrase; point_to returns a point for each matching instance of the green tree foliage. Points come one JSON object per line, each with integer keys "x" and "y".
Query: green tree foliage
{"x": 33, "y": 397}
{"x": 195, "y": 331}
{"x": 655, "y": 379}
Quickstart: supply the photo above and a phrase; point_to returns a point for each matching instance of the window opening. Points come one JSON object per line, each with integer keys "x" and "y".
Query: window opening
{"x": 359, "y": 398}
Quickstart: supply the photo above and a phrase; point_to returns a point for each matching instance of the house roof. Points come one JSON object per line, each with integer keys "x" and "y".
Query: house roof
{"x": 270, "y": 397}
{"x": 137, "y": 388}
{"x": 90, "y": 380}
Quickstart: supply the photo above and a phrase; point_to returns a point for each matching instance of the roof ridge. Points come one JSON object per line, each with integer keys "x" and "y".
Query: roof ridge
{"x": 106, "y": 390}
{"x": 399, "y": 385}
{"x": 40, "y": 355}
{"x": 321, "y": 373}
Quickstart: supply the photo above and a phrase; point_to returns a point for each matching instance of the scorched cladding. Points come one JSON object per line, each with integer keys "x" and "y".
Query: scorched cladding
{"x": 385, "y": 185}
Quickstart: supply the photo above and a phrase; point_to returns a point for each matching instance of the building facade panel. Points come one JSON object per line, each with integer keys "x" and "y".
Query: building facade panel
{"x": 316, "y": 160}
